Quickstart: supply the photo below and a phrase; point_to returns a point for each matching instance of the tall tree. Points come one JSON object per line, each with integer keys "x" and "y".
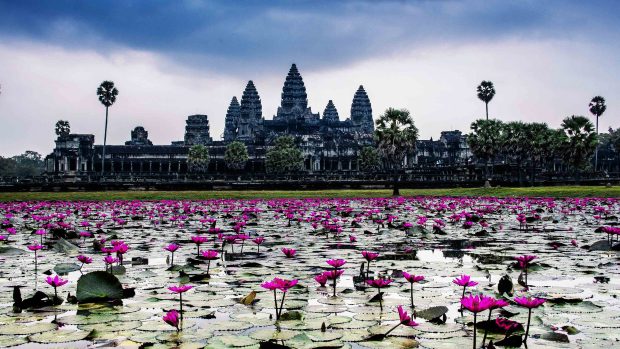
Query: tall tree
{"x": 284, "y": 157}
{"x": 369, "y": 159}
{"x": 516, "y": 144}
{"x": 107, "y": 96}
{"x": 198, "y": 159}
{"x": 236, "y": 155}
{"x": 485, "y": 141}
{"x": 396, "y": 136}
{"x": 581, "y": 142}
{"x": 540, "y": 145}
{"x": 62, "y": 128}
{"x": 486, "y": 92}
{"x": 30, "y": 163}
{"x": 597, "y": 108}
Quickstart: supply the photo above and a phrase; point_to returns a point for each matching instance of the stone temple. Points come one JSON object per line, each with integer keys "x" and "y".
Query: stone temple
{"x": 329, "y": 142}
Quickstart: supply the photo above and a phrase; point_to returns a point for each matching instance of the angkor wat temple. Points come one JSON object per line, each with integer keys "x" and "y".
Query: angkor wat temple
{"x": 329, "y": 144}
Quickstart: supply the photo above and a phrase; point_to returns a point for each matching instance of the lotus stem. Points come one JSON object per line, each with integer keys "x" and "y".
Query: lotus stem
{"x": 391, "y": 329}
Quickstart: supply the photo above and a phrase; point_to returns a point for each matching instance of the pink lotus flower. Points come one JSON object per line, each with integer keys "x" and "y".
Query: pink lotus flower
{"x": 289, "y": 252}
{"x": 172, "y": 247}
{"x": 282, "y": 285}
{"x": 84, "y": 260}
{"x": 55, "y": 281}
{"x": 180, "y": 288}
{"x": 258, "y": 241}
{"x": 109, "y": 260}
{"x": 336, "y": 263}
{"x": 412, "y": 278}
{"x": 172, "y": 319}
{"x": 404, "y": 319}
{"x": 524, "y": 263}
{"x": 477, "y": 303}
{"x": 198, "y": 240}
{"x": 493, "y": 304}
{"x": 209, "y": 255}
{"x": 464, "y": 281}
{"x": 525, "y": 260}
{"x": 321, "y": 279}
{"x": 370, "y": 256}
{"x": 529, "y": 303}
{"x": 333, "y": 275}
{"x": 35, "y": 247}
{"x": 506, "y": 325}
{"x": 379, "y": 283}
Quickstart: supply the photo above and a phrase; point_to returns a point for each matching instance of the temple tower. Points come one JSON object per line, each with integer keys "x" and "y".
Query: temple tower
{"x": 139, "y": 136}
{"x": 232, "y": 120}
{"x": 294, "y": 104}
{"x": 361, "y": 111}
{"x": 250, "y": 115}
{"x": 330, "y": 114}
{"x": 197, "y": 130}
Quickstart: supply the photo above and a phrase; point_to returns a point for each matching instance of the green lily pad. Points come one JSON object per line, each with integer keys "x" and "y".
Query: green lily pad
{"x": 59, "y": 336}
{"x": 98, "y": 286}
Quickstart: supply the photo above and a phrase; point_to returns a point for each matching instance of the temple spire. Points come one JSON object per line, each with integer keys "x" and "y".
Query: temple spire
{"x": 361, "y": 111}
{"x": 294, "y": 91}
{"x": 232, "y": 120}
{"x": 251, "y": 113}
{"x": 330, "y": 114}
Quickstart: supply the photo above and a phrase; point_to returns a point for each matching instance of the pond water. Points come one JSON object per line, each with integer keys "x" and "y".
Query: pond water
{"x": 576, "y": 270}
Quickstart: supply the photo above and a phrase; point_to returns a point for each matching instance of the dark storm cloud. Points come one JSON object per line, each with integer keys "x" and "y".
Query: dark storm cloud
{"x": 237, "y": 35}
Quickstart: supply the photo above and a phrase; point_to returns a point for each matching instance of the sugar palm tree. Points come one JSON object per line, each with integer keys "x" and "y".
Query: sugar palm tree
{"x": 597, "y": 108}
{"x": 236, "y": 155}
{"x": 486, "y": 140}
{"x": 107, "y": 96}
{"x": 540, "y": 145}
{"x": 396, "y": 136}
{"x": 516, "y": 144}
{"x": 581, "y": 142}
{"x": 486, "y": 92}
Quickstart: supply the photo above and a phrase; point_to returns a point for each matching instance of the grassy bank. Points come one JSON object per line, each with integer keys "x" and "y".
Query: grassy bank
{"x": 560, "y": 191}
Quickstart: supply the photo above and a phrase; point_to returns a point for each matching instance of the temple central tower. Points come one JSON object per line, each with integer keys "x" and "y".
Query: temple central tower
{"x": 294, "y": 105}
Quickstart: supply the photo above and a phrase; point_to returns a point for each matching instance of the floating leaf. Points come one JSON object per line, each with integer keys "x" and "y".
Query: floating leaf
{"x": 98, "y": 286}
{"x": 60, "y": 336}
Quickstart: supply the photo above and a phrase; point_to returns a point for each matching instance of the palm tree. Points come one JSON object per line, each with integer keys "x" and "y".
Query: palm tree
{"x": 396, "y": 136}
{"x": 198, "y": 158}
{"x": 597, "y": 108}
{"x": 107, "y": 96}
{"x": 486, "y": 91}
{"x": 486, "y": 140}
{"x": 516, "y": 143}
{"x": 236, "y": 155}
{"x": 62, "y": 128}
{"x": 540, "y": 145}
{"x": 581, "y": 141}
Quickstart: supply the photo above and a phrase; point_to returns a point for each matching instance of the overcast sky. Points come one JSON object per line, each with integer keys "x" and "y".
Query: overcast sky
{"x": 170, "y": 59}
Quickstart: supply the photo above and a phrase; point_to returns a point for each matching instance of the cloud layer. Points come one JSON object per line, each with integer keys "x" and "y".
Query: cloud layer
{"x": 173, "y": 59}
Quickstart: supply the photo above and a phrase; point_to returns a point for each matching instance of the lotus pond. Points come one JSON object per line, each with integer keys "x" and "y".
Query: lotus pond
{"x": 314, "y": 273}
